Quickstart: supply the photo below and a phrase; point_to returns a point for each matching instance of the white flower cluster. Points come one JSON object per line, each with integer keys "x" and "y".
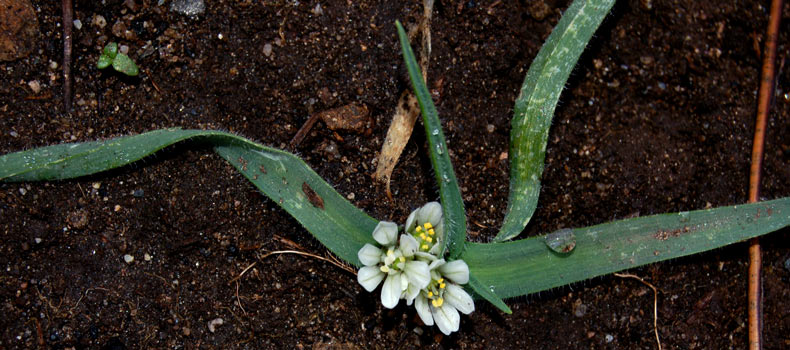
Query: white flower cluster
{"x": 414, "y": 271}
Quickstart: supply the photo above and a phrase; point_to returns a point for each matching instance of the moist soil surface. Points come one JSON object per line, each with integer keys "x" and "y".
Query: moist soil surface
{"x": 657, "y": 117}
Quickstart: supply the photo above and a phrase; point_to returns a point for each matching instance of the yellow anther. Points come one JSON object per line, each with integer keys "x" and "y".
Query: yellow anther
{"x": 390, "y": 253}
{"x": 441, "y": 280}
{"x": 418, "y": 229}
{"x": 430, "y": 294}
{"x": 441, "y": 285}
{"x": 437, "y": 302}
{"x": 422, "y": 235}
{"x": 428, "y": 225}
{"x": 402, "y": 259}
{"x": 384, "y": 269}
{"x": 431, "y": 232}
{"x": 425, "y": 247}
{"x": 428, "y": 239}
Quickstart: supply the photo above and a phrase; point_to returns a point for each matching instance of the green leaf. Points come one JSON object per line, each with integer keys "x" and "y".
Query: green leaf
{"x": 125, "y": 65}
{"x": 488, "y": 293}
{"x": 529, "y": 266}
{"x": 281, "y": 176}
{"x": 111, "y": 49}
{"x": 535, "y": 105}
{"x": 104, "y": 61}
{"x": 452, "y": 204}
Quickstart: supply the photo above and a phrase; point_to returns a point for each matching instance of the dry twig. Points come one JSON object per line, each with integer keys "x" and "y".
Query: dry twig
{"x": 67, "y": 23}
{"x": 655, "y": 302}
{"x": 758, "y": 149}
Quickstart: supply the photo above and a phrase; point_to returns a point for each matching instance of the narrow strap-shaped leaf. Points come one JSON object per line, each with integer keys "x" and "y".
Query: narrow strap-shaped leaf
{"x": 295, "y": 187}
{"x": 528, "y": 266}
{"x": 452, "y": 204}
{"x": 487, "y": 293}
{"x": 535, "y": 106}
{"x": 281, "y": 176}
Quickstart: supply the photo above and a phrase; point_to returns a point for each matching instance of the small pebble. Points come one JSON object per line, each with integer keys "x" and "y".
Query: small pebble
{"x": 99, "y": 21}
{"x": 37, "y": 240}
{"x": 128, "y": 259}
{"x": 147, "y": 257}
{"x": 117, "y": 208}
{"x": 213, "y": 324}
{"x": 138, "y": 193}
{"x": 22, "y": 191}
{"x": 77, "y": 24}
{"x": 267, "y": 49}
{"x": 609, "y": 338}
{"x": 35, "y": 86}
{"x": 188, "y": 7}
{"x": 787, "y": 264}
{"x": 96, "y": 185}
{"x": 13, "y": 133}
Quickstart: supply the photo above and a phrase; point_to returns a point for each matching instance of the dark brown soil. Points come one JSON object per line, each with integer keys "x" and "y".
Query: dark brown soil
{"x": 657, "y": 117}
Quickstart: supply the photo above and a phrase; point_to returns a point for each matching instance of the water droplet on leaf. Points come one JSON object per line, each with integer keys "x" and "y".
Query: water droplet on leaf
{"x": 561, "y": 241}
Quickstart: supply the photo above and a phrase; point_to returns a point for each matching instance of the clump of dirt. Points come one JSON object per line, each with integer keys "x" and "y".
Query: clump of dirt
{"x": 657, "y": 117}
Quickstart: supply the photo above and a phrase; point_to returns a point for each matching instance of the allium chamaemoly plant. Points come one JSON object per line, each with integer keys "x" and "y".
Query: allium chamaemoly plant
{"x": 430, "y": 273}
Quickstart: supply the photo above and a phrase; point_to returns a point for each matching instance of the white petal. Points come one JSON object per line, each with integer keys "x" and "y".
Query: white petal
{"x": 418, "y": 273}
{"x": 386, "y": 232}
{"x": 446, "y": 318}
{"x": 410, "y": 222}
{"x": 430, "y": 212}
{"x": 456, "y": 270}
{"x": 458, "y": 298}
{"x": 369, "y": 255}
{"x": 370, "y": 277}
{"x": 439, "y": 229}
{"x": 404, "y": 283}
{"x": 408, "y": 245}
{"x": 425, "y": 256}
{"x": 390, "y": 292}
{"x": 436, "y": 249}
{"x": 411, "y": 293}
{"x": 424, "y": 310}
{"x": 436, "y": 263}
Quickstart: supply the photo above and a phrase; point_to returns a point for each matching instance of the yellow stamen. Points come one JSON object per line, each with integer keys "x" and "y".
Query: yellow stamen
{"x": 430, "y": 294}
{"x": 402, "y": 259}
{"x": 440, "y": 301}
{"x": 425, "y": 247}
{"x": 428, "y": 225}
{"x": 418, "y": 229}
{"x": 431, "y": 232}
{"x": 384, "y": 269}
{"x": 441, "y": 285}
{"x": 440, "y": 280}
{"x": 390, "y": 253}
{"x": 428, "y": 239}
{"x": 422, "y": 235}
{"x": 437, "y": 302}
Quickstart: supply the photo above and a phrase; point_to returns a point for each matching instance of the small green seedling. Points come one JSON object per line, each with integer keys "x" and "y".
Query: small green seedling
{"x": 120, "y": 62}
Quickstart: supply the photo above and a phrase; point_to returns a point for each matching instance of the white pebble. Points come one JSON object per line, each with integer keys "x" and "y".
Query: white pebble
{"x": 99, "y": 21}
{"x": 213, "y": 324}
{"x": 128, "y": 259}
{"x": 77, "y": 24}
{"x": 147, "y": 257}
{"x": 35, "y": 86}
{"x": 267, "y": 49}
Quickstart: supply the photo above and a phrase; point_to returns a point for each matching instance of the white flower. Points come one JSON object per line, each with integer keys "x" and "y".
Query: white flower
{"x": 386, "y": 232}
{"x": 411, "y": 267}
{"x": 441, "y": 301}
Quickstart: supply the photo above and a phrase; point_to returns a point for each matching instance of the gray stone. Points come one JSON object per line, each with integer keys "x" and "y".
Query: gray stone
{"x": 188, "y": 7}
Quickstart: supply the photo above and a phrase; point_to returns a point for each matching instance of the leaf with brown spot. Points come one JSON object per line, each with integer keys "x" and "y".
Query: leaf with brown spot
{"x": 313, "y": 197}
